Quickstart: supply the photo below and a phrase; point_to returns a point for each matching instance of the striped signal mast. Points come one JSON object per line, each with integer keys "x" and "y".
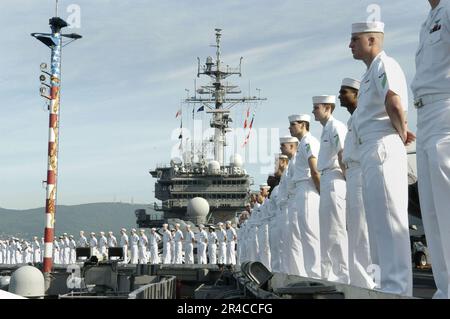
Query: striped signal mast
{"x": 51, "y": 92}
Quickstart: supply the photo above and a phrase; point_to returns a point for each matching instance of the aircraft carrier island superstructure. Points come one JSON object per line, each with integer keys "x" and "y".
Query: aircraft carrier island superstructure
{"x": 226, "y": 188}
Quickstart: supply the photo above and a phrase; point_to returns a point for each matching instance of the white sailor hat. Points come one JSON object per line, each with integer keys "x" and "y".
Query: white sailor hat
{"x": 220, "y": 223}
{"x": 201, "y": 226}
{"x": 188, "y": 226}
{"x": 133, "y": 230}
{"x": 177, "y": 225}
{"x": 166, "y": 225}
{"x": 123, "y": 229}
{"x": 70, "y": 236}
{"x": 324, "y": 99}
{"x": 299, "y": 118}
{"x": 228, "y": 222}
{"x": 288, "y": 139}
{"x": 64, "y": 234}
{"x": 282, "y": 156}
{"x": 264, "y": 185}
{"x": 142, "y": 230}
{"x": 102, "y": 233}
{"x": 351, "y": 83}
{"x": 154, "y": 229}
{"x": 364, "y": 27}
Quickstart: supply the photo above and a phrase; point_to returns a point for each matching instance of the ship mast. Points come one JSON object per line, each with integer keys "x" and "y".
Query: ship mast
{"x": 218, "y": 103}
{"x": 51, "y": 92}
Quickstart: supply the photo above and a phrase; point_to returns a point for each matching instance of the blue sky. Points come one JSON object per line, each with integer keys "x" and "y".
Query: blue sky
{"x": 123, "y": 82}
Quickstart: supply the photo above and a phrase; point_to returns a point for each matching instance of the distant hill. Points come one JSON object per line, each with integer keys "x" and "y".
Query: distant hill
{"x": 70, "y": 219}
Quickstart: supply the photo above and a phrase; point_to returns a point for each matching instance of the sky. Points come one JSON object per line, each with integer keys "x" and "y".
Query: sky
{"x": 124, "y": 81}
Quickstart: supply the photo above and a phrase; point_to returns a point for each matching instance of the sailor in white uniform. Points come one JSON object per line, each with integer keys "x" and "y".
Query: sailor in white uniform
{"x": 112, "y": 240}
{"x": 124, "y": 244}
{"x": 36, "y": 247}
{"x": 333, "y": 232}
{"x": 82, "y": 241}
{"x": 93, "y": 244}
{"x": 222, "y": 240}
{"x": 178, "y": 242}
{"x": 274, "y": 228}
{"x": 142, "y": 247}
{"x": 56, "y": 255}
{"x": 212, "y": 246}
{"x": 291, "y": 249}
{"x": 305, "y": 184}
{"x": 202, "y": 242}
{"x": 231, "y": 243}
{"x": 431, "y": 89}
{"x": 134, "y": 250}
{"x": 167, "y": 238}
{"x": 103, "y": 245}
{"x": 189, "y": 240}
{"x": 153, "y": 241}
{"x": 359, "y": 254}
{"x": 263, "y": 226}
{"x": 381, "y": 131}
{"x": 72, "y": 249}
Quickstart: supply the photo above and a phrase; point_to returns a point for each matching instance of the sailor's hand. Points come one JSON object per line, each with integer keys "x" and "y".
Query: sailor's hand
{"x": 410, "y": 137}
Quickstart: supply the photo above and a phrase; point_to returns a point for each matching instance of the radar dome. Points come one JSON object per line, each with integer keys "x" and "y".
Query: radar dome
{"x": 213, "y": 167}
{"x": 236, "y": 160}
{"x": 197, "y": 210}
{"x": 27, "y": 281}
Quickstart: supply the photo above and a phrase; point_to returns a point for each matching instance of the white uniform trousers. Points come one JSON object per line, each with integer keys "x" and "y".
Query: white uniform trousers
{"x": 263, "y": 244}
{"x": 253, "y": 244}
{"x": 154, "y": 258}
{"x": 222, "y": 253}
{"x": 188, "y": 253}
{"x": 359, "y": 258}
{"x": 293, "y": 253}
{"x": 385, "y": 193}
{"x": 433, "y": 170}
{"x": 307, "y": 200}
{"x": 167, "y": 255}
{"x": 178, "y": 256}
{"x": 134, "y": 254}
{"x": 284, "y": 249}
{"x": 212, "y": 254}
{"x": 275, "y": 240}
{"x": 231, "y": 252}
{"x": 125, "y": 253}
{"x": 333, "y": 232}
{"x": 201, "y": 253}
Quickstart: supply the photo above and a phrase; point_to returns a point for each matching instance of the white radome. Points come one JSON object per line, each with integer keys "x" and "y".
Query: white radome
{"x": 236, "y": 160}
{"x": 27, "y": 281}
{"x": 198, "y": 207}
{"x": 213, "y": 167}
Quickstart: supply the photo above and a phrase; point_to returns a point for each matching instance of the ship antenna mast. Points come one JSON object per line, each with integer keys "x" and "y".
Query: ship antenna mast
{"x": 50, "y": 90}
{"x": 218, "y": 103}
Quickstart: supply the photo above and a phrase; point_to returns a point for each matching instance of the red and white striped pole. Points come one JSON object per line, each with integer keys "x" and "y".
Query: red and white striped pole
{"x": 54, "y": 42}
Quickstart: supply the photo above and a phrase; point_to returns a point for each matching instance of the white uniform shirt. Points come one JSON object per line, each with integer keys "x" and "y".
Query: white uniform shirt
{"x": 384, "y": 74}
{"x": 230, "y": 233}
{"x": 331, "y": 142}
{"x": 202, "y": 237}
{"x": 167, "y": 236}
{"x": 433, "y": 54}
{"x": 112, "y": 241}
{"x": 178, "y": 236}
{"x": 221, "y": 235}
{"x": 189, "y": 237}
{"x": 212, "y": 237}
{"x": 82, "y": 242}
{"x": 308, "y": 146}
{"x": 154, "y": 238}
{"x": 123, "y": 240}
{"x": 134, "y": 239}
{"x": 143, "y": 240}
{"x": 93, "y": 242}
{"x": 351, "y": 152}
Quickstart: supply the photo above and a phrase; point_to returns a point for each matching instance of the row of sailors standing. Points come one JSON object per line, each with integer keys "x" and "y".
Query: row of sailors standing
{"x": 16, "y": 251}
{"x": 314, "y": 223}
{"x": 215, "y": 247}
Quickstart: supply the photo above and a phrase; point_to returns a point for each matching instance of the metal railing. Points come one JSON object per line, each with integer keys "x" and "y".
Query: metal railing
{"x": 164, "y": 289}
